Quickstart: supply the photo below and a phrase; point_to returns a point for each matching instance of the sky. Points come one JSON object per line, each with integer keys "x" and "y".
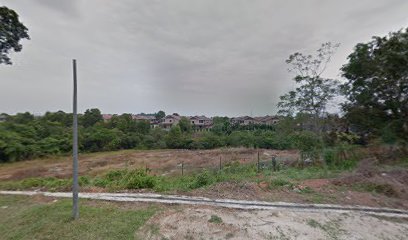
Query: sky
{"x": 193, "y": 57}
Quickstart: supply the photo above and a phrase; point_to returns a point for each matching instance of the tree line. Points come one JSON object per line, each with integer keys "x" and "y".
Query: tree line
{"x": 25, "y": 136}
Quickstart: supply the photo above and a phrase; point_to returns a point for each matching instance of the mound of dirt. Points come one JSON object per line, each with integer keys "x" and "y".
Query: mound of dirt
{"x": 392, "y": 183}
{"x": 195, "y": 223}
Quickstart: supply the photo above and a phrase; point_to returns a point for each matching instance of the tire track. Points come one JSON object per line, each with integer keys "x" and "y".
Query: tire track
{"x": 227, "y": 203}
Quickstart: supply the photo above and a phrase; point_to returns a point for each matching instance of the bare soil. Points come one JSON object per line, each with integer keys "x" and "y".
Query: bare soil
{"x": 164, "y": 162}
{"x": 196, "y": 223}
{"x": 383, "y": 188}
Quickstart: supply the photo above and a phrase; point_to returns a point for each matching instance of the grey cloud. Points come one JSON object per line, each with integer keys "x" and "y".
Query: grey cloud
{"x": 193, "y": 57}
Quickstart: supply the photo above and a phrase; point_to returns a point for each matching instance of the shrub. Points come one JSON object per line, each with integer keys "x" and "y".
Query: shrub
{"x": 215, "y": 219}
{"x": 279, "y": 182}
{"x": 341, "y": 157}
{"x": 202, "y": 179}
{"x": 129, "y": 179}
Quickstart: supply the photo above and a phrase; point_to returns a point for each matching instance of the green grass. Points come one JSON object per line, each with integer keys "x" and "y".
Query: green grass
{"x": 117, "y": 180}
{"x": 24, "y": 218}
{"x": 215, "y": 219}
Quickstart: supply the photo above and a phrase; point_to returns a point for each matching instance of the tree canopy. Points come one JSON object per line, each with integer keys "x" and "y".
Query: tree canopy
{"x": 313, "y": 91}
{"x": 377, "y": 86}
{"x": 11, "y": 32}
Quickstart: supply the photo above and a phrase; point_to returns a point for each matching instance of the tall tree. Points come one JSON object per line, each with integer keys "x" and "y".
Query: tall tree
{"x": 377, "y": 87}
{"x": 91, "y": 117}
{"x": 313, "y": 91}
{"x": 11, "y": 32}
{"x": 159, "y": 115}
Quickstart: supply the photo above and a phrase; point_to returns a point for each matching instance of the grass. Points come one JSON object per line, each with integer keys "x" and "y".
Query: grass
{"x": 215, "y": 219}
{"x": 116, "y": 180}
{"x": 385, "y": 189}
{"x": 24, "y": 218}
{"x": 331, "y": 228}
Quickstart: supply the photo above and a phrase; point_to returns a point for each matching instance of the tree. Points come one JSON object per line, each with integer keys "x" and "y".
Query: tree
{"x": 174, "y": 138}
{"x": 313, "y": 91}
{"x": 377, "y": 86}
{"x": 159, "y": 115}
{"x": 91, "y": 117}
{"x": 185, "y": 124}
{"x": 11, "y": 32}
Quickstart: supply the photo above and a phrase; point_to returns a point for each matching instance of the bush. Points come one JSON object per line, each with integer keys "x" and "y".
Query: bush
{"x": 128, "y": 179}
{"x": 342, "y": 157}
{"x": 279, "y": 182}
{"x": 202, "y": 179}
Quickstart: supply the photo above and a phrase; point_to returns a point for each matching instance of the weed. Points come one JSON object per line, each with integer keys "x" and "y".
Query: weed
{"x": 385, "y": 189}
{"x": 215, "y": 219}
{"x": 280, "y": 182}
{"x": 202, "y": 179}
{"x": 229, "y": 235}
{"x": 331, "y": 228}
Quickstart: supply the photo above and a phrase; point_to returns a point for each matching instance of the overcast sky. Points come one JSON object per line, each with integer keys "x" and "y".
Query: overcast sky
{"x": 213, "y": 57}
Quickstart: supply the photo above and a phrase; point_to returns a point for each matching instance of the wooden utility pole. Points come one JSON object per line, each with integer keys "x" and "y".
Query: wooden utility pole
{"x": 75, "y": 186}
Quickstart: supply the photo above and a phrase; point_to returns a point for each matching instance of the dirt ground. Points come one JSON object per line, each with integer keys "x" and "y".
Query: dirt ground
{"x": 219, "y": 223}
{"x": 384, "y": 187}
{"x": 164, "y": 162}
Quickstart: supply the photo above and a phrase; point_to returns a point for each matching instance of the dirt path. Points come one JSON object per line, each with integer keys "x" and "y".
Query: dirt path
{"x": 198, "y": 222}
{"x": 226, "y": 203}
{"x": 203, "y": 218}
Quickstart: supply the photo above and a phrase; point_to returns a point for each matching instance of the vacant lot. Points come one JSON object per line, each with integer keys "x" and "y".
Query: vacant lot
{"x": 368, "y": 182}
{"x": 159, "y": 161}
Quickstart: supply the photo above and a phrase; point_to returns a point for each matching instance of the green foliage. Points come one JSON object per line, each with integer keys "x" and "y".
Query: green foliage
{"x": 202, "y": 179}
{"x": 185, "y": 125}
{"x": 307, "y": 141}
{"x": 91, "y": 117}
{"x": 160, "y": 115}
{"x": 377, "y": 87}
{"x": 127, "y": 179}
{"x": 24, "y": 136}
{"x": 208, "y": 140}
{"x": 11, "y": 32}
{"x": 215, "y": 219}
{"x": 313, "y": 91}
{"x": 177, "y": 139}
{"x": 280, "y": 182}
{"x": 341, "y": 156}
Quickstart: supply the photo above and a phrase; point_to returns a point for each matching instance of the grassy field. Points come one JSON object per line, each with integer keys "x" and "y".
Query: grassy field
{"x": 27, "y": 218}
{"x": 351, "y": 181}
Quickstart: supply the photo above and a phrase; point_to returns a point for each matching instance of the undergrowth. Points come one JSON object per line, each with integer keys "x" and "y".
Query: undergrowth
{"x": 116, "y": 180}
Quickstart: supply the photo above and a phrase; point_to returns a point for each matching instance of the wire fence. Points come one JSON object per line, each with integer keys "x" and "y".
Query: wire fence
{"x": 261, "y": 163}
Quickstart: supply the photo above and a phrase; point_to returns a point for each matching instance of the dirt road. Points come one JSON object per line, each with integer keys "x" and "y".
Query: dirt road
{"x": 226, "y": 203}
{"x": 204, "y": 218}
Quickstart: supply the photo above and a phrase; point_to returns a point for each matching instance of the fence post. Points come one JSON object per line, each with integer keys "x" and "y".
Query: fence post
{"x": 182, "y": 168}
{"x": 258, "y": 162}
{"x": 220, "y": 164}
{"x": 274, "y": 163}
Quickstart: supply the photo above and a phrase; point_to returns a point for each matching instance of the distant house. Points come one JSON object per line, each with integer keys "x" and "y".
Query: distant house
{"x": 244, "y": 120}
{"x": 150, "y": 118}
{"x": 170, "y": 121}
{"x": 139, "y": 117}
{"x": 267, "y": 120}
{"x": 201, "y": 122}
{"x": 107, "y": 117}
